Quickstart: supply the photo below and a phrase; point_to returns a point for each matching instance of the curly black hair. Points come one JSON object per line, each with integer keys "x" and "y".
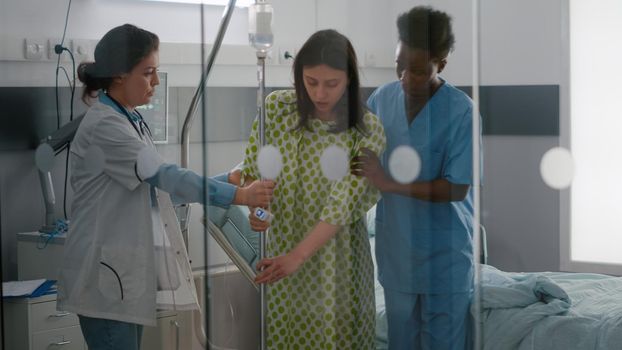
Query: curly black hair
{"x": 427, "y": 29}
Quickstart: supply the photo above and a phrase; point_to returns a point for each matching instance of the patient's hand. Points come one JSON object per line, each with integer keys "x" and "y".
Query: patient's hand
{"x": 257, "y": 224}
{"x": 277, "y": 268}
{"x": 257, "y": 194}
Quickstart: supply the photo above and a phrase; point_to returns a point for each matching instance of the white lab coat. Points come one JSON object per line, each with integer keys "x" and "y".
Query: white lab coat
{"x": 108, "y": 270}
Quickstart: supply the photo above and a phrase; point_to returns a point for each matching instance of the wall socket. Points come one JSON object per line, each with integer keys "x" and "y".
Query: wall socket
{"x": 370, "y": 59}
{"x": 81, "y": 49}
{"x": 34, "y": 48}
{"x": 286, "y": 55}
{"x": 52, "y": 54}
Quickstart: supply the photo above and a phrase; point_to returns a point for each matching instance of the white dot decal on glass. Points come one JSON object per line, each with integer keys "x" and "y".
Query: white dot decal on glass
{"x": 148, "y": 162}
{"x": 404, "y": 164}
{"x": 334, "y": 163}
{"x": 269, "y": 162}
{"x": 94, "y": 160}
{"x": 557, "y": 168}
{"x": 44, "y": 157}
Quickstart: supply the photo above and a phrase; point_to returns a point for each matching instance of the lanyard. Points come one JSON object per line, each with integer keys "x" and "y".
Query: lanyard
{"x": 141, "y": 121}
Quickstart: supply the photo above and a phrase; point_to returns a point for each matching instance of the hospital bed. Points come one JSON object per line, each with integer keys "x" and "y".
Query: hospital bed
{"x": 550, "y": 310}
{"x": 523, "y": 311}
{"x": 231, "y": 230}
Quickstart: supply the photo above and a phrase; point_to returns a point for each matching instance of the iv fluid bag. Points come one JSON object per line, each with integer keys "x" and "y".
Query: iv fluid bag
{"x": 260, "y": 26}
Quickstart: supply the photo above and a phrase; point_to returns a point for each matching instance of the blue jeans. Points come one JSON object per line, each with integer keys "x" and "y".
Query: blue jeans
{"x": 102, "y": 334}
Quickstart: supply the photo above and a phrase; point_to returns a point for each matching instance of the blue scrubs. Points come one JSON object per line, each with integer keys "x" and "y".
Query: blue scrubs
{"x": 424, "y": 249}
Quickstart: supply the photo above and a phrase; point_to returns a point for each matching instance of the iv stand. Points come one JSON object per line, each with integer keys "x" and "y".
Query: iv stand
{"x": 261, "y": 108}
{"x": 260, "y": 37}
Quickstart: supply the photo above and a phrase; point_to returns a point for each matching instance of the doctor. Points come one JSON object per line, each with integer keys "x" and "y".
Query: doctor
{"x": 124, "y": 254}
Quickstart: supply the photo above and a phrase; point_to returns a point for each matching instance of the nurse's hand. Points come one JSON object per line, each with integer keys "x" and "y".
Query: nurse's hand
{"x": 368, "y": 165}
{"x": 277, "y": 268}
{"x": 257, "y": 225}
{"x": 257, "y": 194}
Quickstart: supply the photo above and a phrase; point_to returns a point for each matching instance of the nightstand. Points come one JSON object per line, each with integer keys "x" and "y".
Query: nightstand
{"x": 35, "y": 324}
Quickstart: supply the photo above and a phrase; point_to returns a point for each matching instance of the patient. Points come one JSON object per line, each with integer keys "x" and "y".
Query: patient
{"x": 321, "y": 292}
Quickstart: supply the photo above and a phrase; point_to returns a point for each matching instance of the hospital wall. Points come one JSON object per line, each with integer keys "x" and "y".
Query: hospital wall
{"x": 521, "y": 46}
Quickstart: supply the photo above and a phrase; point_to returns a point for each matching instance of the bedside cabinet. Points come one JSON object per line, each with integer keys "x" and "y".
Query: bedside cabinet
{"x": 35, "y": 324}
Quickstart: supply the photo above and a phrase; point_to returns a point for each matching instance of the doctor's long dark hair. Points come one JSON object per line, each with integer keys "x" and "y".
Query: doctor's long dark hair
{"x": 333, "y": 49}
{"x": 117, "y": 53}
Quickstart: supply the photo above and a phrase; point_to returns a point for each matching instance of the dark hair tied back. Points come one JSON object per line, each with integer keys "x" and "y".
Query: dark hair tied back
{"x": 117, "y": 53}
{"x": 87, "y": 75}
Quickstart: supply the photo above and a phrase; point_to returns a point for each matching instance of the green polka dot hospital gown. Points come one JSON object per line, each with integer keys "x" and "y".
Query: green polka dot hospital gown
{"x": 329, "y": 302}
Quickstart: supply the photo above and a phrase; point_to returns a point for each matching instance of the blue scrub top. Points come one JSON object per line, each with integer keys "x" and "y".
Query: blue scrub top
{"x": 421, "y": 246}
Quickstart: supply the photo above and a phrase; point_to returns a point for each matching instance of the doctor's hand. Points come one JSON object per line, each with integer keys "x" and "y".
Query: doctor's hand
{"x": 235, "y": 177}
{"x": 278, "y": 268}
{"x": 368, "y": 165}
{"x": 257, "y": 224}
{"x": 257, "y": 194}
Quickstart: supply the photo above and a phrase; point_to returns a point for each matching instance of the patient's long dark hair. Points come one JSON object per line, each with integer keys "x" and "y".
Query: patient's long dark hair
{"x": 333, "y": 49}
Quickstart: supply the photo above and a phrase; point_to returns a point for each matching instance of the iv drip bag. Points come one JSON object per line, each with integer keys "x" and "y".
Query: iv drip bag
{"x": 260, "y": 25}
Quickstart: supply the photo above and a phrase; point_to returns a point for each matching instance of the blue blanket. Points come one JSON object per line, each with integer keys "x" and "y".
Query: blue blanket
{"x": 550, "y": 310}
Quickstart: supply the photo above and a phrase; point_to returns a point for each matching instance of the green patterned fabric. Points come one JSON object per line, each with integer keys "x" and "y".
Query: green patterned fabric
{"x": 329, "y": 302}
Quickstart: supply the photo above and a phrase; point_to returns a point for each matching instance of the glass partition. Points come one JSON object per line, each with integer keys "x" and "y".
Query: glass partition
{"x": 308, "y": 174}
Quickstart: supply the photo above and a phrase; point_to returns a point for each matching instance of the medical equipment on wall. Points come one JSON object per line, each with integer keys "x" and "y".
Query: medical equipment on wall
{"x": 55, "y": 143}
{"x": 261, "y": 38}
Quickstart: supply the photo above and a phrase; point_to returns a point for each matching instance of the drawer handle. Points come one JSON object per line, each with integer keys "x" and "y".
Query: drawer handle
{"x": 60, "y": 314}
{"x": 177, "y": 326}
{"x": 61, "y": 343}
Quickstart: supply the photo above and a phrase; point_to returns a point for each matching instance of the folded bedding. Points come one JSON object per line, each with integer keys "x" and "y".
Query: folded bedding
{"x": 550, "y": 310}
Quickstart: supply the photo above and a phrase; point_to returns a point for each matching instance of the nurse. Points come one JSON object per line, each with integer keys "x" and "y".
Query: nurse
{"x": 124, "y": 254}
{"x": 424, "y": 227}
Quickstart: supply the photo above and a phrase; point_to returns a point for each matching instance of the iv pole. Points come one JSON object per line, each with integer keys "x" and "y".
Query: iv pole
{"x": 261, "y": 71}
{"x": 261, "y": 38}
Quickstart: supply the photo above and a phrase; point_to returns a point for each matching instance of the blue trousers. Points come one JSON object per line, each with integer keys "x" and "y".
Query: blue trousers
{"x": 102, "y": 334}
{"x": 428, "y": 321}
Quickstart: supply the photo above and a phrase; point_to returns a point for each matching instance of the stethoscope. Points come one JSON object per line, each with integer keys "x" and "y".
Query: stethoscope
{"x": 141, "y": 120}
